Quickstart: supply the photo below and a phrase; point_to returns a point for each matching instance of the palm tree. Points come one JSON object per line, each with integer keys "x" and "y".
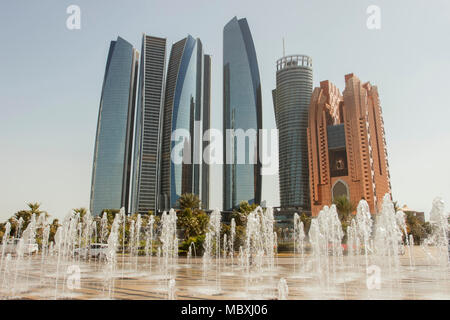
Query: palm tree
{"x": 81, "y": 211}
{"x": 344, "y": 207}
{"x": 33, "y": 208}
{"x": 306, "y": 222}
{"x": 189, "y": 201}
{"x": 53, "y": 228}
{"x": 240, "y": 214}
{"x": 191, "y": 218}
{"x": 396, "y": 206}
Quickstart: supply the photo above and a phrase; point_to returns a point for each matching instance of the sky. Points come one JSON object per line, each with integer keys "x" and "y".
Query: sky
{"x": 51, "y": 78}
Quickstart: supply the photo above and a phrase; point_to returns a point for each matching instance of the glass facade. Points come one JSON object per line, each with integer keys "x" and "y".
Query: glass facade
{"x": 336, "y": 136}
{"x": 241, "y": 110}
{"x": 112, "y": 153}
{"x": 206, "y": 126}
{"x": 145, "y": 189}
{"x": 183, "y": 107}
{"x": 337, "y": 151}
{"x": 291, "y": 100}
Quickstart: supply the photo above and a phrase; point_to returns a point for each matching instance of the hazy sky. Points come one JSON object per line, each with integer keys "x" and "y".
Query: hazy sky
{"x": 51, "y": 78}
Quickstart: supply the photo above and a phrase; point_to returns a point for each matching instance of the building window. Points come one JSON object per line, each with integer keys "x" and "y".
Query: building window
{"x": 340, "y": 189}
{"x": 338, "y": 163}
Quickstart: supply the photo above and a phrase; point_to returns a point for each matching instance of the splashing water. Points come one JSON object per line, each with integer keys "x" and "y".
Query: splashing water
{"x": 373, "y": 241}
{"x": 283, "y": 289}
{"x": 169, "y": 240}
{"x": 171, "y": 290}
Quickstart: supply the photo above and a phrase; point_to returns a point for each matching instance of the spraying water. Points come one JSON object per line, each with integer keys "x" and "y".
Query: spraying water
{"x": 283, "y": 289}
{"x": 171, "y": 290}
{"x": 149, "y": 238}
{"x": 168, "y": 238}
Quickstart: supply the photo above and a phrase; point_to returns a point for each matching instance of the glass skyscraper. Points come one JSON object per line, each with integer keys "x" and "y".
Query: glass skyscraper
{"x": 291, "y": 103}
{"x": 112, "y": 153}
{"x": 206, "y": 127}
{"x": 242, "y": 109}
{"x": 146, "y": 175}
{"x": 183, "y": 110}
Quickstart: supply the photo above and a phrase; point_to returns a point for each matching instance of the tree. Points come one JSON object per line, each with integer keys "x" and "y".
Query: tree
{"x": 25, "y": 215}
{"x": 111, "y": 212}
{"x": 191, "y": 218}
{"x": 2, "y": 231}
{"x": 34, "y": 208}
{"x": 189, "y": 201}
{"x": 53, "y": 228}
{"x": 193, "y": 222}
{"x": 240, "y": 215}
{"x": 396, "y": 206}
{"x": 345, "y": 208}
{"x": 306, "y": 222}
{"x": 81, "y": 211}
{"x": 415, "y": 227}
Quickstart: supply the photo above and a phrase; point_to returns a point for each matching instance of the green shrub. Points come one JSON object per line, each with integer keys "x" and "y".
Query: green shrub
{"x": 198, "y": 241}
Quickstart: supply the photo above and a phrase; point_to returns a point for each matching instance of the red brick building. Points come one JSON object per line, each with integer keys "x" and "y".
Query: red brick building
{"x": 346, "y": 145}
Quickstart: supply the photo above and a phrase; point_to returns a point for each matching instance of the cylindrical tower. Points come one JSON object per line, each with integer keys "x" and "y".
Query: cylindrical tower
{"x": 291, "y": 103}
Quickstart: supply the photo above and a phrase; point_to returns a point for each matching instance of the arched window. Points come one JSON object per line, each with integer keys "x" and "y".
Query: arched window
{"x": 340, "y": 188}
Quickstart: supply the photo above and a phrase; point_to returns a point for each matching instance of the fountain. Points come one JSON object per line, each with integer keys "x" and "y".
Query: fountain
{"x": 111, "y": 257}
{"x": 171, "y": 290}
{"x": 260, "y": 240}
{"x": 440, "y": 229}
{"x": 214, "y": 227}
{"x": 379, "y": 259}
{"x": 299, "y": 237}
{"x": 232, "y": 238}
{"x": 283, "y": 289}
{"x": 104, "y": 228}
{"x": 5, "y": 241}
{"x": 168, "y": 238}
{"x": 149, "y": 238}
{"x": 388, "y": 237}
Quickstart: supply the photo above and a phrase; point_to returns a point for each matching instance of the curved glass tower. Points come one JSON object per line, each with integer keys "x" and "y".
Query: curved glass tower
{"x": 112, "y": 154}
{"x": 183, "y": 110}
{"x": 291, "y": 103}
{"x": 241, "y": 110}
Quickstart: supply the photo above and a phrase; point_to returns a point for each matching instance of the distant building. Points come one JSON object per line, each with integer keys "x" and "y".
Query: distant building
{"x": 242, "y": 112}
{"x": 291, "y": 100}
{"x": 112, "y": 154}
{"x": 147, "y": 154}
{"x": 346, "y": 145}
{"x": 419, "y": 215}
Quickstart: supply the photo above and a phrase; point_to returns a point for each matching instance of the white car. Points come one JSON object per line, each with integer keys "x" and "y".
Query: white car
{"x": 12, "y": 245}
{"x": 96, "y": 250}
